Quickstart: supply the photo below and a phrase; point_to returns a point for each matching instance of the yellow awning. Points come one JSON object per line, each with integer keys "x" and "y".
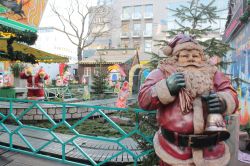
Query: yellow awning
{"x": 41, "y": 56}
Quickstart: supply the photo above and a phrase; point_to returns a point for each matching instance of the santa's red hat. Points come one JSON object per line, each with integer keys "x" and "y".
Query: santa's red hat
{"x": 181, "y": 42}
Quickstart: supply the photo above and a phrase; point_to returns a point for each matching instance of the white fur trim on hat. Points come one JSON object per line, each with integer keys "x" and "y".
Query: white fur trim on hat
{"x": 167, "y": 50}
{"x": 187, "y": 45}
{"x": 163, "y": 92}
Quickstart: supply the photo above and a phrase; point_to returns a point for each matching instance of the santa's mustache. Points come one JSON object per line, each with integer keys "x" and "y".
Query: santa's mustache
{"x": 191, "y": 64}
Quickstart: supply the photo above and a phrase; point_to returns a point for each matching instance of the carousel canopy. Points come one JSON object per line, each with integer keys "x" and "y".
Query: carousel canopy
{"x": 16, "y": 25}
{"x": 40, "y": 56}
{"x": 13, "y": 35}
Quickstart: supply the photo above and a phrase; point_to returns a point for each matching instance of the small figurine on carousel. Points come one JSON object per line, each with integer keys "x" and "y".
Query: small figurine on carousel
{"x": 59, "y": 80}
{"x": 66, "y": 78}
{"x": 7, "y": 80}
{"x": 1, "y": 79}
{"x": 35, "y": 82}
{"x": 123, "y": 95}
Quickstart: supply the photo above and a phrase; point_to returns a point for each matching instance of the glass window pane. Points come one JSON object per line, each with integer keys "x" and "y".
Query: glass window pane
{"x": 87, "y": 71}
{"x": 137, "y": 12}
{"x": 137, "y": 27}
{"x": 148, "y": 46}
{"x": 148, "y": 11}
{"x": 148, "y": 29}
{"x": 126, "y": 12}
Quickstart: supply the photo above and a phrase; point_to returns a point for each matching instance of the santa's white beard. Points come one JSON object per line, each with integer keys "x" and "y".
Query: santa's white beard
{"x": 199, "y": 80}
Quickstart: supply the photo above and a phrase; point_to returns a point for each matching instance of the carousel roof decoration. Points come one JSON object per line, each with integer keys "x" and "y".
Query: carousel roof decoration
{"x": 25, "y": 53}
{"x": 110, "y": 56}
{"x": 15, "y": 39}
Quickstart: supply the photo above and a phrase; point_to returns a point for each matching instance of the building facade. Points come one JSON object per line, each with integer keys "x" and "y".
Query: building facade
{"x": 139, "y": 24}
{"x": 106, "y": 58}
{"x": 237, "y": 35}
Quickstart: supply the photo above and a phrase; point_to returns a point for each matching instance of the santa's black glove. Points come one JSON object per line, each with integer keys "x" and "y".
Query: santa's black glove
{"x": 175, "y": 82}
{"x": 214, "y": 103}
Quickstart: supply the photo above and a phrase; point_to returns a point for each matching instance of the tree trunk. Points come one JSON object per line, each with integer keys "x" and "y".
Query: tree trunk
{"x": 79, "y": 54}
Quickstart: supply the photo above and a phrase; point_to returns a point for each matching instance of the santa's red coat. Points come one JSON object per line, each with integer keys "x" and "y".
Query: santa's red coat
{"x": 170, "y": 117}
{"x": 35, "y": 85}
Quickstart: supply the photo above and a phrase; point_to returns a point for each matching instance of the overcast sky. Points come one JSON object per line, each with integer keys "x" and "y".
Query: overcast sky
{"x": 49, "y": 19}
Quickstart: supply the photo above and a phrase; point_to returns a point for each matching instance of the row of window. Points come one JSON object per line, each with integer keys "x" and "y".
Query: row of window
{"x": 147, "y": 45}
{"x": 87, "y": 71}
{"x": 104, "y": 2}
{"x": 137, "y": 12}
{"x": 138, "y": 30}
{"x": 136, "y": 34}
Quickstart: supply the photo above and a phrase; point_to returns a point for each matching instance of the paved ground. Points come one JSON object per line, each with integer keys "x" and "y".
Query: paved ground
{"x": 8, "y": 158}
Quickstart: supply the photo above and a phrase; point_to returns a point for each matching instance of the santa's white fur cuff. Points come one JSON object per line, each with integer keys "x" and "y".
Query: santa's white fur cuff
{"x": 163, "y": 92}
{"x": 229, "y": 101}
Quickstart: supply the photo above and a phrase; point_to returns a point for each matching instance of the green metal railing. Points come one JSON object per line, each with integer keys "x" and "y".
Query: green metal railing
{"x": 57, "y": 92}
{"x": 14, "y": 125}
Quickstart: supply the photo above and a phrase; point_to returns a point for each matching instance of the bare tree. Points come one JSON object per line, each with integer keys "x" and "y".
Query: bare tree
{"x": 95, "y": 21}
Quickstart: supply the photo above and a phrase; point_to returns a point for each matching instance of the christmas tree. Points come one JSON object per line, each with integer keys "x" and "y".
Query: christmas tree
{"x": 100, "y": 79}
{"x": 190, "y": 20}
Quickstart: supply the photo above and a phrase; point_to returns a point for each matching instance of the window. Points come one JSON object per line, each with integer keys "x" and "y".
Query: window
{"x": 125, "y": 43}
{"x": 148, "y": 29}
{"x": 87, "y": 71}
{"x": 137, "y": 44}
{"x": 148, "y": 46}
{"x": 125, "y": 30}
{"x": 104, "y": 2}
{"x": 126, "y": 13}
{"x": 96, "y": 70}
{"x": 137, "y": 12}
{"x": 137, "y": 30}
{"x": 148, "y": 12}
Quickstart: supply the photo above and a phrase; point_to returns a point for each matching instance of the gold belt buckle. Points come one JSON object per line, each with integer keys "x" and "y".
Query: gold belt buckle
{"x": 190, "y": 142}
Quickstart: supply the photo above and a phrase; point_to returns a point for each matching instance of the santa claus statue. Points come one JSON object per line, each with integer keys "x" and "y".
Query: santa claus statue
{"x": 35, "y": 82}
{"x": 186, "y": 90}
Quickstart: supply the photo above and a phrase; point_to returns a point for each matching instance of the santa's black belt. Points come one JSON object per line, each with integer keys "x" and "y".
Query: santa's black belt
{"x": 194, "y": 141}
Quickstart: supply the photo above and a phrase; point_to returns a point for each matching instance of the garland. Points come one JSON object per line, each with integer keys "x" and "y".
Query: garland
{"x": 17, "y": 55}
{"x": 27, "y": 37}
{"x": 246, "y": 14}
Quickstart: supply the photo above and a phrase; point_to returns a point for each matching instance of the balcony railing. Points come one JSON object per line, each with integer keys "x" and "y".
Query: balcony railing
{"x": 148, "y": 15}
{"x": 136, "y": 34}
{"x": 125, "y": 17}
{"x": 124, "y": 35}
{"x": 147, "y": 34}
{"x": 136, "y": 16}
